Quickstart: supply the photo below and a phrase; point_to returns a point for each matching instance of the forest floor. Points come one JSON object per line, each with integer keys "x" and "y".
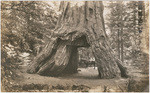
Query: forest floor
{"x": 85, "y": 80}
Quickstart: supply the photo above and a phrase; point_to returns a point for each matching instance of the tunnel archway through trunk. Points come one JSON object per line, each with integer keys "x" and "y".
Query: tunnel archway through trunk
{"x": 73, "y": 55}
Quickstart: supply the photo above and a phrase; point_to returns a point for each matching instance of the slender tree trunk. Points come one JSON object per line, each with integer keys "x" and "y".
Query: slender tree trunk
{"x": 122, "y": 57}
{"x": 134, "y": 37}
{"x": 141, "y": 12}
{"x": 118, "y": 45}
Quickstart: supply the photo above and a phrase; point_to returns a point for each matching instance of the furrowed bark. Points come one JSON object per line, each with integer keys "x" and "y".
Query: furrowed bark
{"x": 78, "y": 26}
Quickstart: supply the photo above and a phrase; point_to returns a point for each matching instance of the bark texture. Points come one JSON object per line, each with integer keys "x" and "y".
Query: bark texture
{"x": 78, "y": 26}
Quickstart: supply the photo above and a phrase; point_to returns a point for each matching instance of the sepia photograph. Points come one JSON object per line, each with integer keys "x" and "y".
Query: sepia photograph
{"x": 75, "y": 46}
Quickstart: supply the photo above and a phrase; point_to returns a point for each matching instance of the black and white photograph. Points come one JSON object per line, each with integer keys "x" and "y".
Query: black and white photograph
{"x": 75, "y": 46}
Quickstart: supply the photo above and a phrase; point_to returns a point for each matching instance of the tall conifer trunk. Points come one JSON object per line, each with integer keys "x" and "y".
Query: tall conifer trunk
{"x": 78, "y": 26}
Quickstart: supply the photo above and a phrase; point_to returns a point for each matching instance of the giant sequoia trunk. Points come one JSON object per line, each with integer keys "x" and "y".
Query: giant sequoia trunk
{"x": 78, "y": 26}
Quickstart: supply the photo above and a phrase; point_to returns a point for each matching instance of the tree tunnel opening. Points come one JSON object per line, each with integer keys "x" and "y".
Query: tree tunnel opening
{"x": 73, "y": 48}
{"x": 80, "y": 56}
{"x": 86, "y": 58}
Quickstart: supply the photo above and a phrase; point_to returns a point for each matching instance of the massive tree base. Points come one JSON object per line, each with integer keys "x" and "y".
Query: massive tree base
{"x": 78, "y": 26}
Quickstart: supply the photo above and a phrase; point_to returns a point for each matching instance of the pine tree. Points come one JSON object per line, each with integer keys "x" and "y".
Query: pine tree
{"x": 25, "y": 24}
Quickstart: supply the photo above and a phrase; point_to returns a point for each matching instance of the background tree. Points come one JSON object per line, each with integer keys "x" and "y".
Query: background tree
{"x": 26, "y": 24}
{"x": 116, "y": 25}
{"x": 128, "y": 16}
